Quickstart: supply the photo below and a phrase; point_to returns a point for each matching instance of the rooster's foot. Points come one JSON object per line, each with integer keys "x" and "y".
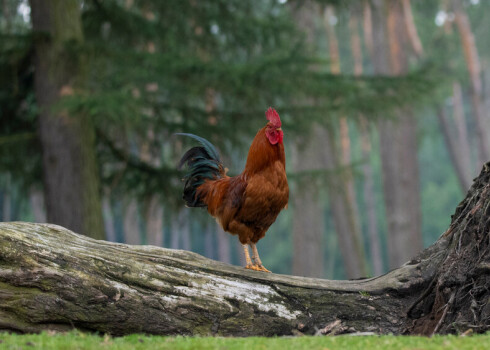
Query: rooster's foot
{"x": 256, "y": 268}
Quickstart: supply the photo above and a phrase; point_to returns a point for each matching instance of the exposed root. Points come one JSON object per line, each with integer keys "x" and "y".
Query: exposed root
{"x": 443, "y": 317}
{"x": 427, "y": 291}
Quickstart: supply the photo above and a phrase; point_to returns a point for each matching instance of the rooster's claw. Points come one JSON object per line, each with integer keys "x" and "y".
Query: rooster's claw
{"x": 256, "y": 268}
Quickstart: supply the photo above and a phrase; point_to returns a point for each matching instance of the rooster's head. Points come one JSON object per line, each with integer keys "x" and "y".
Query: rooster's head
{"x": 273, "y": 130}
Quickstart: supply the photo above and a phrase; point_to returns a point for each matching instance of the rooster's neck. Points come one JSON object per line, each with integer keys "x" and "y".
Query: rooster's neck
{"x": 263, "y": 154}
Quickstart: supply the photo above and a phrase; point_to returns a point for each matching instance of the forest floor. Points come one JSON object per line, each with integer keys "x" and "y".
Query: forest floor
{"x": 77, "y": 340}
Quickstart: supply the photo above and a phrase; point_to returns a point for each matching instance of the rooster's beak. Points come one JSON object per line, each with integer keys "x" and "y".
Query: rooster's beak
{"x": 279, "y": 129}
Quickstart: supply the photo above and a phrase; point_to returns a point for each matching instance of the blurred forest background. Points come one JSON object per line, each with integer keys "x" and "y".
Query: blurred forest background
{"x": 385, "y": 107}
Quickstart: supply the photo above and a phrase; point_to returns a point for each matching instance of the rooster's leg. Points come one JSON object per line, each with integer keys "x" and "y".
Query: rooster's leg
{"x": 247, "y": 257}
{"x": 256, "y": 258}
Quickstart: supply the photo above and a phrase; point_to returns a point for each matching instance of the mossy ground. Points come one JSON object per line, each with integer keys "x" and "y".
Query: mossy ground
{"x": 78, "y": 340}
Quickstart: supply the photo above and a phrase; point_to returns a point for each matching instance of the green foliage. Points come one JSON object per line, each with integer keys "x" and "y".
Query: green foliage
{"x": 81, "y": 341}
{"x": 206, "y": 67}
{"x": 212, "y": 68}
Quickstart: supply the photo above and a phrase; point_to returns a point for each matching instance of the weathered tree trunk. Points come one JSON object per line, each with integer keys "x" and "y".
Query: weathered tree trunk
{"x": 54, "y": 279}
{"x": 71, "y": 181}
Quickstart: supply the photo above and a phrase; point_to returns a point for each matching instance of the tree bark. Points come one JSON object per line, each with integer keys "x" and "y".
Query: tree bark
{"x": 54, "y": 279}
{"x": 398, "y": 141}
{"x": 70, "y": 173}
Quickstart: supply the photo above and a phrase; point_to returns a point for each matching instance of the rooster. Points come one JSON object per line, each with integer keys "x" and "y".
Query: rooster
{"x": 248, "y": 204}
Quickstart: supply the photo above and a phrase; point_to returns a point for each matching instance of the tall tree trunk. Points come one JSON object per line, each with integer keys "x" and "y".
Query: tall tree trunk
{"x": 474, "y": 69}
{"x": 153, "y": 209}
{"x": 110, "y": 229}
{"x": 370, "y": 202}
{"x": 486, "y": 84}
{"x": 347, "y": 233}
{"x": 7, "y": 200}
{"x": 180, "y": 237}
{"x": 368, "y": 185}
{"x": 7, "y": 16}
{"x": 71, "y": 179}
{"x": 350, "y": 213}
{"x": 209, "y": 244}
{"x": 452, "y": 146}
{"x": 367, "y": 26}
{"x": 448, "y": 25}
{"x": 175, "y": 231}
{"x": 462, "y": 135}
{"x": 398, "y": 140}
{"x": 333, "y": 46}
{"x": 457, "y": 143}
{"x": 154, "y": 221}
{"x": 130, "y": 222}
{"x": 411, "y": 29}
{"x": 36, "y": 199}
{"x": 185, "y": 231}
{"x": 308, "y": 214}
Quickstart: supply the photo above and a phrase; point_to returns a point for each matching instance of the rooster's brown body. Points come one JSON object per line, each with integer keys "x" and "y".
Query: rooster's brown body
{"x": 248, "y": 204}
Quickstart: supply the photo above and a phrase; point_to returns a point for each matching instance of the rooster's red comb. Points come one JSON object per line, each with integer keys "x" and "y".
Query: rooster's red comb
{"x": 273, "y": 117}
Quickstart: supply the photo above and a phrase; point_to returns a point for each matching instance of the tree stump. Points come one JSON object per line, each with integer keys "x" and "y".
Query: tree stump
{"x": 54, "y": 279}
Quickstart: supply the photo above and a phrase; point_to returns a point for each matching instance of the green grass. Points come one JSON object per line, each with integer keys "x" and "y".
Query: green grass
{"x": 77, "y": 340}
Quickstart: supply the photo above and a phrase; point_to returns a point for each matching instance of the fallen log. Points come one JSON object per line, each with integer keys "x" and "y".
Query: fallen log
{"x": 54, "y": 279}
